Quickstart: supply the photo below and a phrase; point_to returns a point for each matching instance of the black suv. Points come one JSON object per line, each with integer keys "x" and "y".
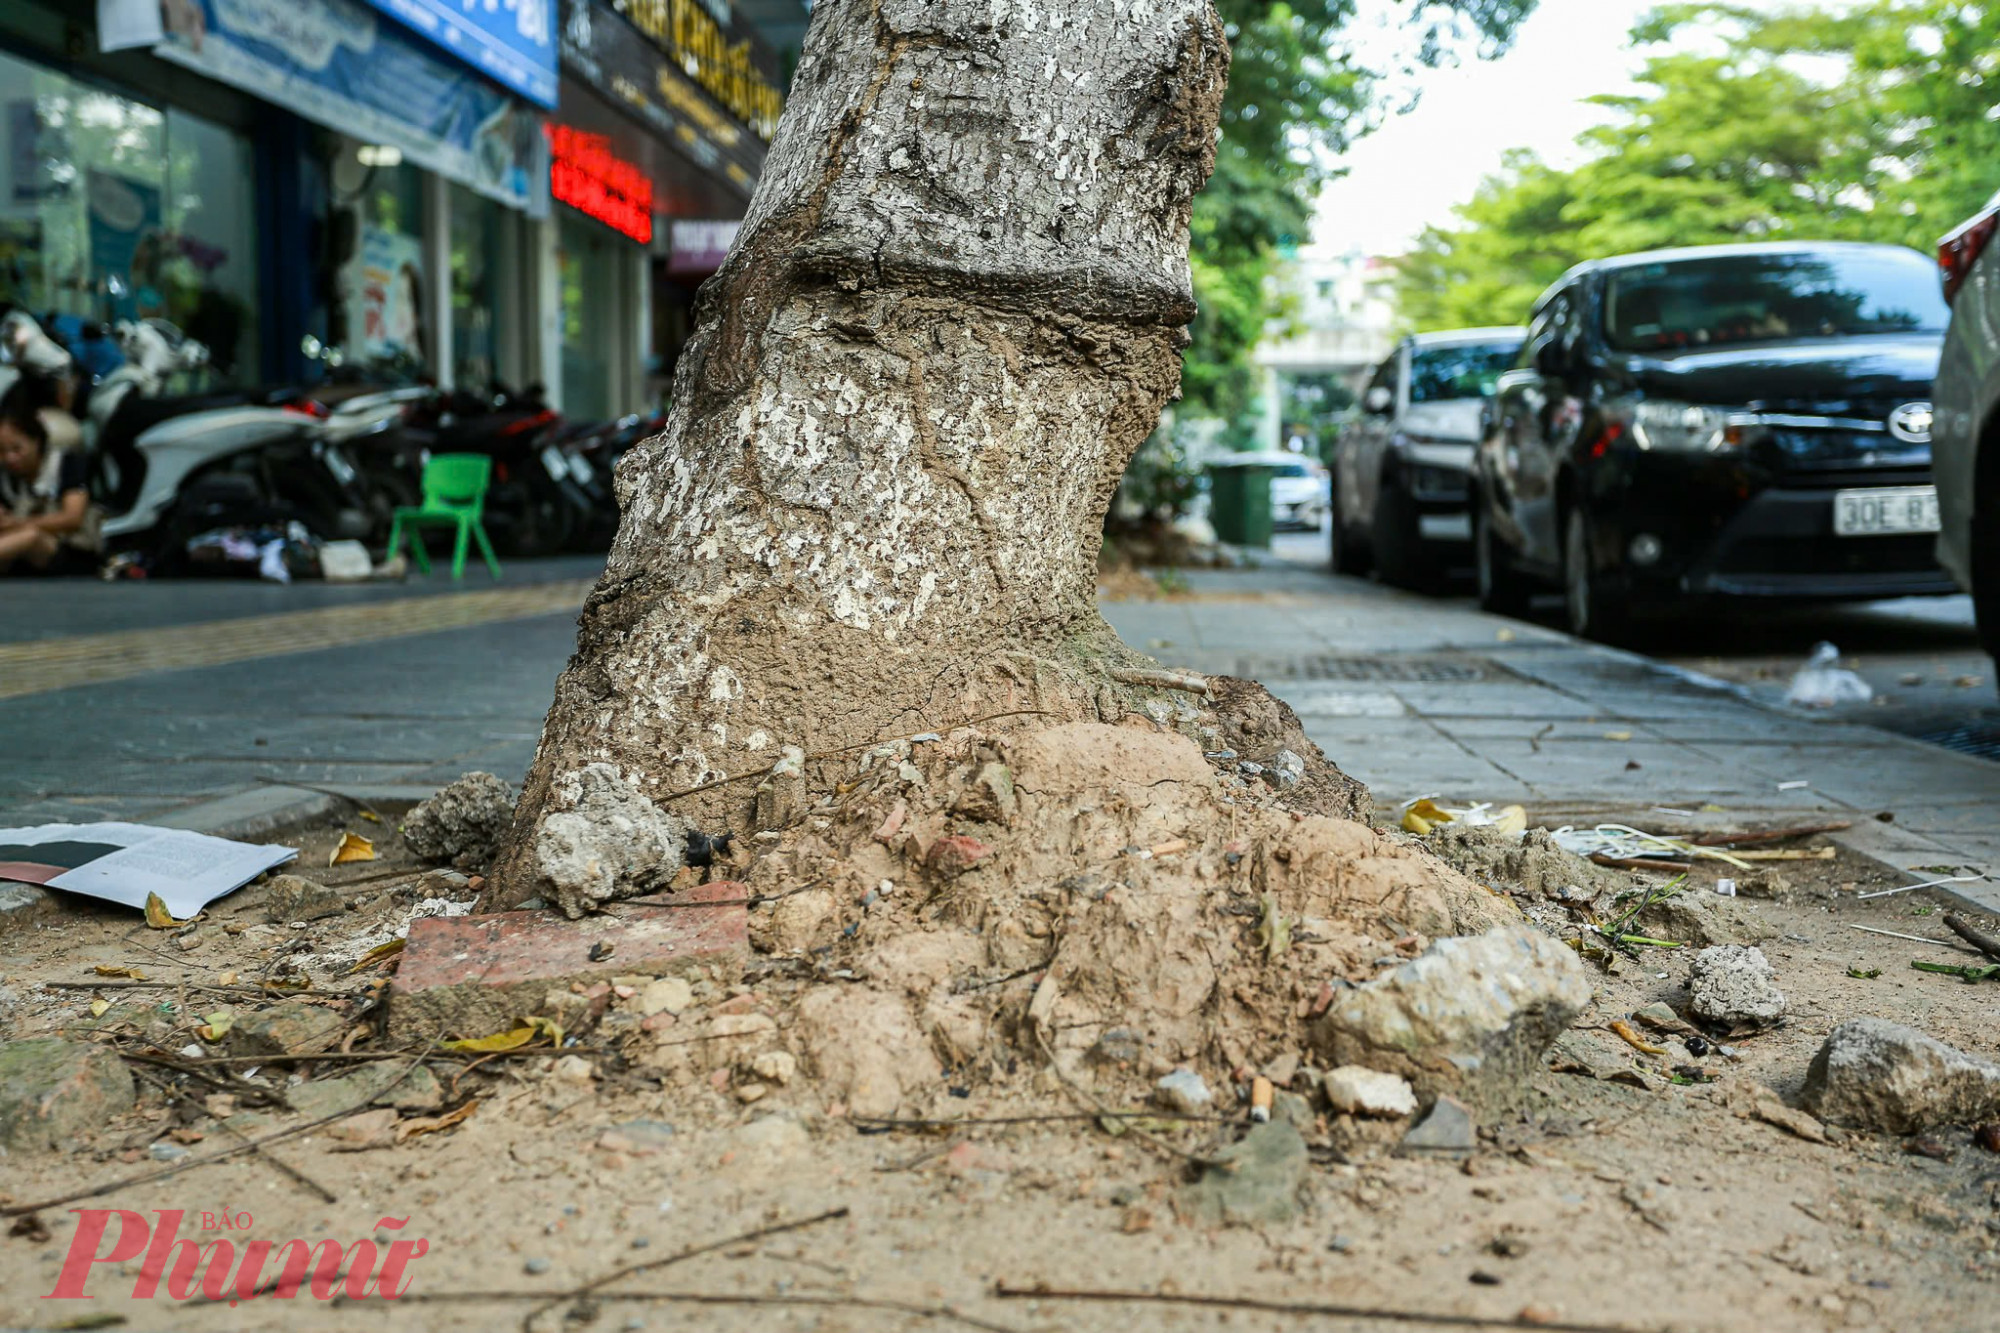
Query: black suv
{"x": 1745, "y": 420}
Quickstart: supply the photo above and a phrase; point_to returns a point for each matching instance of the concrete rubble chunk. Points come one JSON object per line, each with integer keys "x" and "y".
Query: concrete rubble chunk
{"x": 1447, "y": 1131}
{"x": 1471, "y": 1016}
{"x": 1256, "y": 1181}
{"x": 1354, "y": 1090}
{"x": 470, "y": 976}
{"x": 1184, "y": 1091}
{"x": 53, "y": 1092}
{"x": 463, "y": 823}
{"x": 1876, "y": 1075}
{"x": 295, "y": 898}
{"x": 1735, "y": 986}
{"x": 383, "y": 1084}
{"x": 989, "y": 795}
{"x": 607, "y": 841}
{"x": 1700, "y": 920}
{"x": 290, "y": 1027}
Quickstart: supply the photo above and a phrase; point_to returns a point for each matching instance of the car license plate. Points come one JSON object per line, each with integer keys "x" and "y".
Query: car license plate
{"x": 1885, "y": 510}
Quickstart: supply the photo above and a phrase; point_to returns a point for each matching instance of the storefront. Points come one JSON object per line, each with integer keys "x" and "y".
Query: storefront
{"x": 678, "y": 100}
{"x": 504, "y": 193}
{"x": 120, "y": 206}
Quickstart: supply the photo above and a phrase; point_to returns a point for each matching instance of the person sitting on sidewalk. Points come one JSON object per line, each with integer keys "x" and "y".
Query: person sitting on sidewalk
{"x": 47, "y": 524}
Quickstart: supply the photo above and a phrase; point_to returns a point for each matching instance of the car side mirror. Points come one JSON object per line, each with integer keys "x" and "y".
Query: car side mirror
{"x": 1378, "y": 400}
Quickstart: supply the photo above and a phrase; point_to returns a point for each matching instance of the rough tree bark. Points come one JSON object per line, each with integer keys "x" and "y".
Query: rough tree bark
{"x": 954, "y": 311}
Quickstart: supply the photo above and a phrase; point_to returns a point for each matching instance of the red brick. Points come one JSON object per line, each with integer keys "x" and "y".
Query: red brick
{"x": 473, "y": 975}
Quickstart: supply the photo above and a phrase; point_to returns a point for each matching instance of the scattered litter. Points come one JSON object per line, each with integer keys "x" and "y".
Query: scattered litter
{"x": 1621, "y": 842}
{"x": 1261, "y": 1095}
{"x": 1726, "y": 887}
{"x": 1899, "y": 935}
{"x": 353, "y": 847}
{"x": 1911, "y": 888}
{"x": 1822, "y": 683}
{"x": 128, "y": 863}
{"x": 1424, "y": 814}
{"x": 1797, "y": 784}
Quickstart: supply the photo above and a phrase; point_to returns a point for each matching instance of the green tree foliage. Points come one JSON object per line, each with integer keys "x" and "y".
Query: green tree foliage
{"x": 1296, "y": 99}
{"x": 1872, "y": 123}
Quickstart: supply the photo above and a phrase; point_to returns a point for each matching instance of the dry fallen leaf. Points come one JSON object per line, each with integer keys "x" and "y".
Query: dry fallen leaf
{"x": 409, "y": 1129}
{"x": 381, "y": 953}
{"x": 499, "y": 1041}
{"x": 159, "y": 918}
{"x": 216, "y": 1025}
{"x": 97, "y": 1008}
{"x": 134, "y": 973}
{"x": 353, "y": 847}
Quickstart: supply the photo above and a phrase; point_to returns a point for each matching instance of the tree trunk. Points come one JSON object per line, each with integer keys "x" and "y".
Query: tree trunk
{"x": 954, "y": 311}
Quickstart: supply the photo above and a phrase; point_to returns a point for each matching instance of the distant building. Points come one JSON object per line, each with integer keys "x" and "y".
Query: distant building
{"x": 1341, "y": 325}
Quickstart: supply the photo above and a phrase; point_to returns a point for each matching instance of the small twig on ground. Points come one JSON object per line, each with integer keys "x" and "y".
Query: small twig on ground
{"x": 190, "y": 1163}
{"x": 1384, "y": 1314}
{"x": 1767, "y": 835}
{"x": 284, "y": 991}
{"x": 1187, "y": 682}
{"x": 1640, "y": 863}
{"x": 1068, "y": 1117}
{"x": 806, "y": 1300}
{"x": 1972, "y": 935}
{"x": 285, "y": 1167}
{"x": 591, "y": 1288}
{"x": 1920, "y": 939}
{"x": 1100, "y": 1111}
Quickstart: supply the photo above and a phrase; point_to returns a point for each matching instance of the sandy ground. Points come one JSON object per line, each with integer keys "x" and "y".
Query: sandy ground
{"x": 1607, "y": 1204}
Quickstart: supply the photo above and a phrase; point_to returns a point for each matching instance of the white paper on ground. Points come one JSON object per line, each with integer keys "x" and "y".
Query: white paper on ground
{"x": 188, "y": 870}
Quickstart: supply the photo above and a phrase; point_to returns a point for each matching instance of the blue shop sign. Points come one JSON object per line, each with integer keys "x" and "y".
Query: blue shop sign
{"x": 337, "y": 62}
{"x": 512, "y": 42}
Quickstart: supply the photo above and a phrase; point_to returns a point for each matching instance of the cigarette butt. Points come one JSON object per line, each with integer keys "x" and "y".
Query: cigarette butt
{"x": 1261, "y": 1093}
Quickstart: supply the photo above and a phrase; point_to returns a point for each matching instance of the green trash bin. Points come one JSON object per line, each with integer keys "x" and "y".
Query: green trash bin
{"x": 1240, "y": 501}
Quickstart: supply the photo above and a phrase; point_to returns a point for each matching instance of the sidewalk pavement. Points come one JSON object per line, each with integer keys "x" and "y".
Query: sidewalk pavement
{"x": 1413, "y": 696}
{"x": 1417, "y": 697}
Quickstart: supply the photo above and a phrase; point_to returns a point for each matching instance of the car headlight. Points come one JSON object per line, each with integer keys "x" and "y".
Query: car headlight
{"x": 1687, "y": 428}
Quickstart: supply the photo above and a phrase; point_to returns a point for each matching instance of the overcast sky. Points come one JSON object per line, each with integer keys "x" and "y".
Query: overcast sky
{"x": 1413, "y": 170}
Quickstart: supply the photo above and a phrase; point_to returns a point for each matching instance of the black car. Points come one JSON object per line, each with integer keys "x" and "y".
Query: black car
{"x": 1744, "y": 420}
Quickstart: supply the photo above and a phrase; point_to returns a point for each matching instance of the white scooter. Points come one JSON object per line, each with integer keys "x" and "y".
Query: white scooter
{"x": 150, "y": 448}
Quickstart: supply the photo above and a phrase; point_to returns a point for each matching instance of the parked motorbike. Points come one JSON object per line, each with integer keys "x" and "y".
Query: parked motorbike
{"x": 167, "y": 465}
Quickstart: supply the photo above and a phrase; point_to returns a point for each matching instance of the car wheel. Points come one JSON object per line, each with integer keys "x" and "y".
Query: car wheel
{"x": 1344, "y": 554}
{"x": 1502, "y": 589}
{"x": 1588, "y": 611}
{"x": 1401, "y": 554}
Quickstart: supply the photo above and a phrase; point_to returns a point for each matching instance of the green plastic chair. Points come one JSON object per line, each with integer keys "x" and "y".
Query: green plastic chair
{"x": 454, "y": 496}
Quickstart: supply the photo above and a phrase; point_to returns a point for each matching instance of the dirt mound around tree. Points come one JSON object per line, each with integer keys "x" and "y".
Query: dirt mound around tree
{"x": 1118, "y": 900}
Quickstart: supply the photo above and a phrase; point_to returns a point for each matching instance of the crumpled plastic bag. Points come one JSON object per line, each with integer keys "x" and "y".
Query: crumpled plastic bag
{"x": 1822, "y": 682}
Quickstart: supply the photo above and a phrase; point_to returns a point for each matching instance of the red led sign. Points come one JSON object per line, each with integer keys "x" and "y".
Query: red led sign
{"x": 585, "y": 174}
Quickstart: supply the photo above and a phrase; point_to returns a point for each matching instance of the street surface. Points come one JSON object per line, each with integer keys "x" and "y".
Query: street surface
{"x": 1921, "y": 655}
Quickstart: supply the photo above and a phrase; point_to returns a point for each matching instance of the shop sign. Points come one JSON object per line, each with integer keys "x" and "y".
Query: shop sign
{"x": 606, "y": 52}
{"x": 700, "y": 247}
{"x": 725, "y": 60}
{"x": 512, "y": 42}
{"x": 336, "y": 63}
{"x": 585, "y": 174}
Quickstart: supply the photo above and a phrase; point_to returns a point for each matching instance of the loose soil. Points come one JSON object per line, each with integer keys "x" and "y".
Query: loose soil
{"x": 1642, "y": 1205}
